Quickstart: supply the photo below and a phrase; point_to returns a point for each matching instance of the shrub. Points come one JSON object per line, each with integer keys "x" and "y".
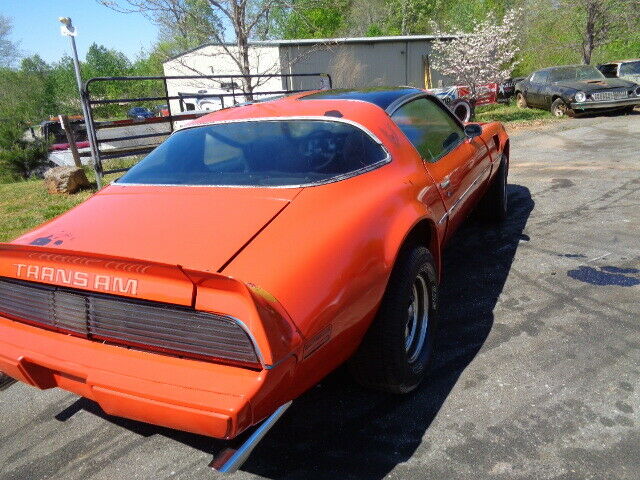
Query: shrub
{"x": 19, "y": 158}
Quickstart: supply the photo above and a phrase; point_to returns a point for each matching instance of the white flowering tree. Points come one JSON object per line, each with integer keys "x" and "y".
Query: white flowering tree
{"x": 486, "y": 54}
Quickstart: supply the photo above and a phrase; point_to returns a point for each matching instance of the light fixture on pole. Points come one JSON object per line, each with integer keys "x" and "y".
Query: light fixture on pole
{"x": 68, "y": 30}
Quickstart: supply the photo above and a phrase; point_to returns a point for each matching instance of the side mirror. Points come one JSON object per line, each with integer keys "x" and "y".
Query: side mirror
{"x": 472, "y": 130}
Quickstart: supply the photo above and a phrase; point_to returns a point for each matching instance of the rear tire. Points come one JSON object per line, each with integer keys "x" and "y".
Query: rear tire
{"x": 521, "y": 101}
{"x": 494, "y": 204}
{"x": 395, "y": 353}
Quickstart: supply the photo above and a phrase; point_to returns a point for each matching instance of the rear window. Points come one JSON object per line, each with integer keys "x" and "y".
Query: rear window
{"x": 259, "y": 153}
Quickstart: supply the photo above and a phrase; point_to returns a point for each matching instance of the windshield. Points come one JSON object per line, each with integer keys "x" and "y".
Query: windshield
{"x": 259, "y": 153}
{"x": 573, "y": 74}
{"x": 630, "y": 68}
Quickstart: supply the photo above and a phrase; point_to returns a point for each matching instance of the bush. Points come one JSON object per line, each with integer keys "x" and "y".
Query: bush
{"x": 19, "y": 158}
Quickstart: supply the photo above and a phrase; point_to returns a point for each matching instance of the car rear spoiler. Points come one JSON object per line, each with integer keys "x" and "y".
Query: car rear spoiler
{"x": 264, "y": 319}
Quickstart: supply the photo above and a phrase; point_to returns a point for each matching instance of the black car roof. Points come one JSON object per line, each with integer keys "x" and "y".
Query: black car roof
{"x": 380, "y": 96}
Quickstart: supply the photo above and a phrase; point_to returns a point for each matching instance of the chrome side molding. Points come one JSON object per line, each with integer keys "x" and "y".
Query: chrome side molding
{"x": 230, "y": 460}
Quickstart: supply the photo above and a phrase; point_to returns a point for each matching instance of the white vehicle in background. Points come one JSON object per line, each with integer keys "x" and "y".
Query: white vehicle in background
{"x": 625, "y": 69}
{"x": 211, "y": 99}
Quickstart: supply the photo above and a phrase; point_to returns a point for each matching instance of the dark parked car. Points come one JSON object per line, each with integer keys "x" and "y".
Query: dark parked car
{"x": 575, "y": 89}
{"x": 507, "y": 89}
{"x": 625, "y": 69}
{"x": 54, "y": 134}
{"x": 140, "y": 112}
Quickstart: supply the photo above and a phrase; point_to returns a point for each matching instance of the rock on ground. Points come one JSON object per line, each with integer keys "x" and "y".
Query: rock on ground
{"x": 65, "y": 179}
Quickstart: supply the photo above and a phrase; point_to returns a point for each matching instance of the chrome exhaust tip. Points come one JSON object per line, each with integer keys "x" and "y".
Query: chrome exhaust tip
{"x": 230, "y": 460}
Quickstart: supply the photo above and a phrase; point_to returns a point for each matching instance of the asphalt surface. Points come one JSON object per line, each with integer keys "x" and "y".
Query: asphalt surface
{"x": 537, "y": 371}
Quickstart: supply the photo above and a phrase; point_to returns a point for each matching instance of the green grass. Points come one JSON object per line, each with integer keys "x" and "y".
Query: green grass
{"x": 26, "y": 204}
{"x": 511, "y": 114}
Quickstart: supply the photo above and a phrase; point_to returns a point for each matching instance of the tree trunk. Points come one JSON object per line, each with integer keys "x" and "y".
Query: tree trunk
{"x": 242, "y": 41}
{"x": 587, "y": 50}
{"x": 588, "y": 42}
{"x": 405, "y": 13}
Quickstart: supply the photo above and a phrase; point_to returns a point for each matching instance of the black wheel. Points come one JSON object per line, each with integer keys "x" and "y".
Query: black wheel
{"x": 494, "y": 204}
{"x": 462, "y": 109}
{"x": 629, "y": 109}
{"x": 521, "y": 101}
{"x": 560, "y": 109}
{"x": 395, "y": 353}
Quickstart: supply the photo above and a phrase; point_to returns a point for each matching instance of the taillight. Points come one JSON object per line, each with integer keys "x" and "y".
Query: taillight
{"x": 147, "y": 325}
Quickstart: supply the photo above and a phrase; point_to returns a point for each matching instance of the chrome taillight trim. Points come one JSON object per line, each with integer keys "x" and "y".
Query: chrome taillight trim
{"x": 141, "y": 324}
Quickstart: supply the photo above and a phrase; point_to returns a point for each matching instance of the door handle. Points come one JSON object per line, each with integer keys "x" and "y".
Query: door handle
{"x": 445, "y": 183}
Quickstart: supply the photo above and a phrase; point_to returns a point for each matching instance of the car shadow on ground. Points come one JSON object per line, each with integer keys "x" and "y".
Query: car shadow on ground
{"x": 340, "y": 430}
{"x": 607, "y": 113}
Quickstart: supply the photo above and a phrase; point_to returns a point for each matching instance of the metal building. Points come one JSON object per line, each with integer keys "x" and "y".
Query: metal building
{"x": 351, "y": 62}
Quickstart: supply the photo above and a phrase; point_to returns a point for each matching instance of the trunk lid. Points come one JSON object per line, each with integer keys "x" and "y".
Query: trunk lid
{"x": 198, "y": 228}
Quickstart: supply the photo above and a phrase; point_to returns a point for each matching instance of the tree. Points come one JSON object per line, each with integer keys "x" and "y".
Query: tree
{"x": 309, "y": 19}
{"x": 487, "y": 54}
{"x": 598, "y": 22}
{"x": 246, "y": 19}
{"x": 9, "y": 50}
{"x": 42, "y": 94}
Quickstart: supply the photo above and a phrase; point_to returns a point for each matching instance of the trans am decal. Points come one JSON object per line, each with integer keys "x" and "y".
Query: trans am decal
{"x": 75, "y": 278}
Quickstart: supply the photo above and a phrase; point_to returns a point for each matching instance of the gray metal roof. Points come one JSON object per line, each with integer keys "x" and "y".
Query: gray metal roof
{"x": 315, "y": 41}
{"x": 326, "y": 41}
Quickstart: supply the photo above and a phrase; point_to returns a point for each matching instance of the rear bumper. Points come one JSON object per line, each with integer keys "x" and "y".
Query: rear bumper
{"x": 195, "y": 396}
{"x": 627, "y": 102}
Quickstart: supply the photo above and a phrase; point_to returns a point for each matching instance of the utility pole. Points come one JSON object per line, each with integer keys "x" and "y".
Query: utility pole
{"x": 67, "y": 29}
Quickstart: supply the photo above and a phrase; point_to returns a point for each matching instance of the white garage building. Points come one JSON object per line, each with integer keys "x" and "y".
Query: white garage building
{"x": 351, "y": 62}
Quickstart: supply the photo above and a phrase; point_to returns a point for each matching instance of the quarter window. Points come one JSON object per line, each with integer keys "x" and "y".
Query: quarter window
{"x": 429, "y": 128}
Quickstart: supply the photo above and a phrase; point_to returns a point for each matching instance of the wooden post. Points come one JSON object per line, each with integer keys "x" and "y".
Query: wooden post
{"x": 68, "y": 130}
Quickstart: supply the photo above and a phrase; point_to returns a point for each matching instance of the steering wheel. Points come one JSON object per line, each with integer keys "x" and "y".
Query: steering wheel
{"x": 320, "y": 149}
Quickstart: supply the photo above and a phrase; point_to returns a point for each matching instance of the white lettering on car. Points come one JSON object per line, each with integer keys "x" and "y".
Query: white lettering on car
{"x": 130, "y": 287}
{"x": 46, "y": 274}
{"x": 62, "y": 276}
{"x": 101, "y": 282}
{"x": 33, "y": 271}
{"x": 80, "y": 279}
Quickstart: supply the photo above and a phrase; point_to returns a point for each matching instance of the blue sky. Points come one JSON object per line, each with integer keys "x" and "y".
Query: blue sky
{"x": 36, "y": 27}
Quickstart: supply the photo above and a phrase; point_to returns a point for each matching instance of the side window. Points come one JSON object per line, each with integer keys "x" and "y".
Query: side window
{"x": 540, "y": 77}
{"x": 429, "y": 128}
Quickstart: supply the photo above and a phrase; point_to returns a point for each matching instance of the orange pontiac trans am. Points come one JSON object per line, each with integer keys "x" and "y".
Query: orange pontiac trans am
{"x": 249, "y": 255}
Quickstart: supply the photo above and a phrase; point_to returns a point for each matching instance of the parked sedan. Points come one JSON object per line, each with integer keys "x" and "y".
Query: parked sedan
{"x": 625, "y": 69}
{"x": 249, "y": 255}
{"x": 140, "y": 112}
{"x": 575, "y": 89}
